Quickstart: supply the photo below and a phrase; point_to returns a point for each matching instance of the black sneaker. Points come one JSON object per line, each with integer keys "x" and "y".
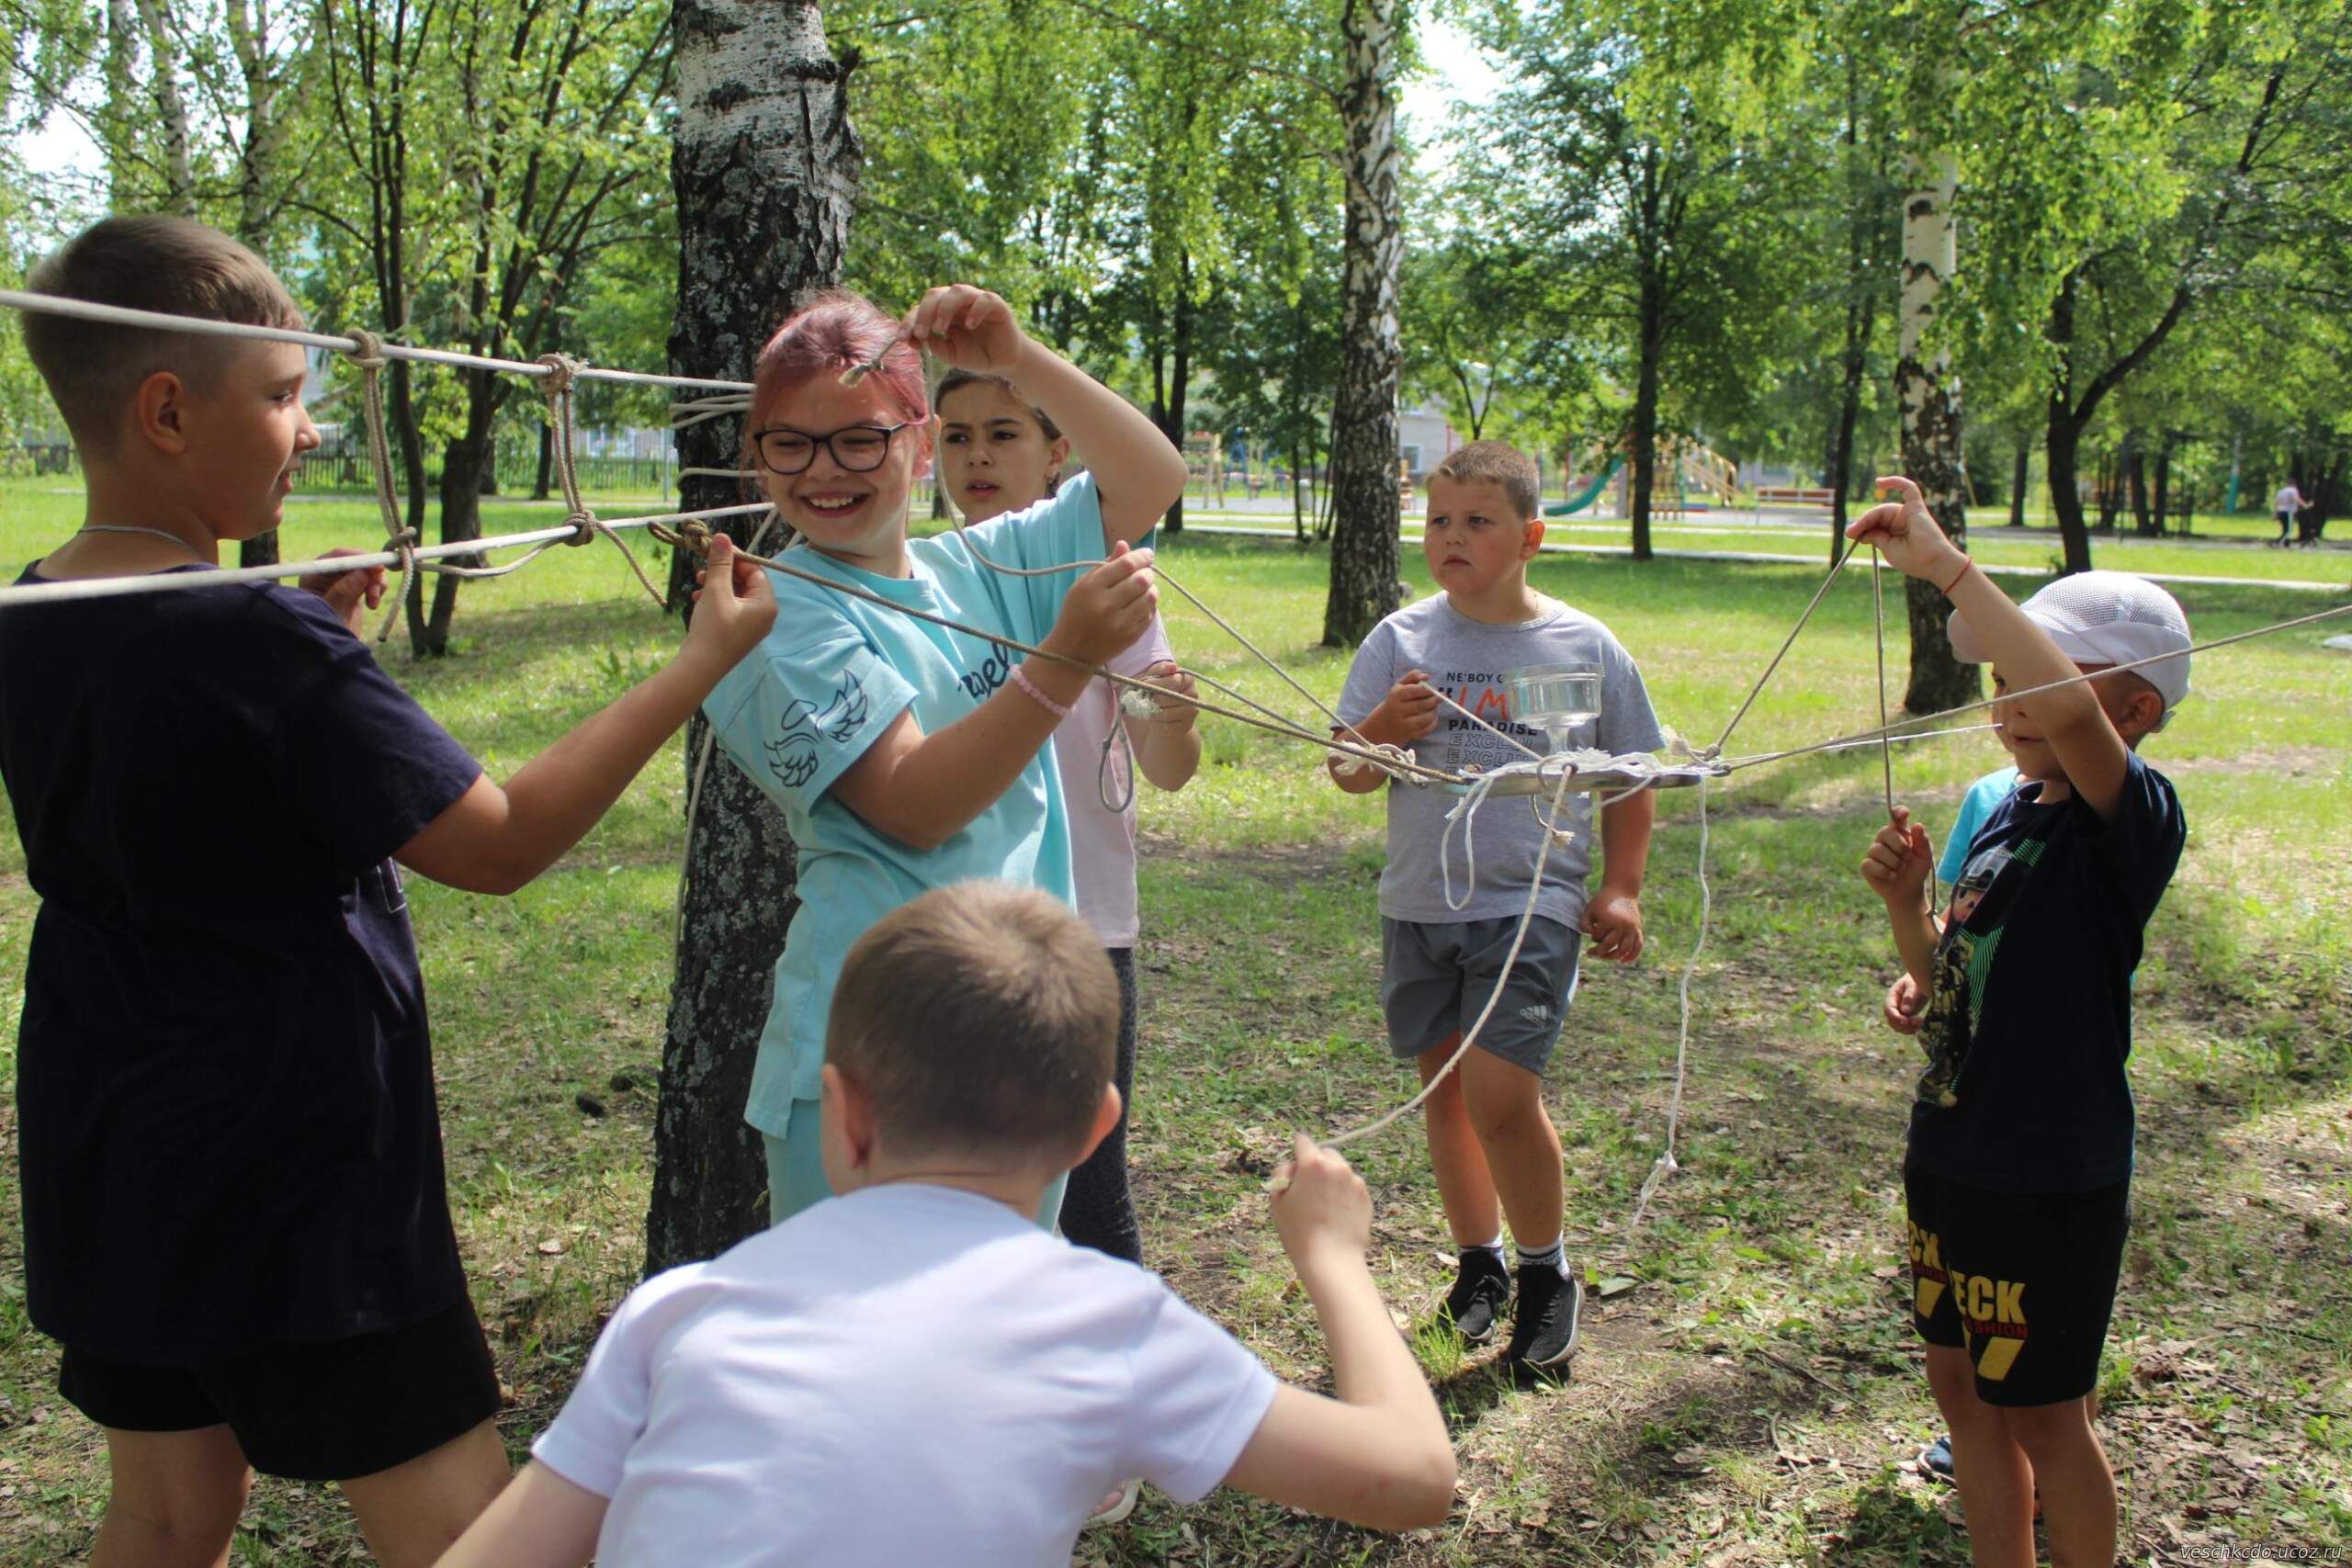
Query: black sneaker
{"x": 1479, "y": 1293}
{"x": 1543, "y": 1322}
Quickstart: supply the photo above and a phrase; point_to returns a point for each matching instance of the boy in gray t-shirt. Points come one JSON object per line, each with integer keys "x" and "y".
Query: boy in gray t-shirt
{"x": 1491, "y": 1141}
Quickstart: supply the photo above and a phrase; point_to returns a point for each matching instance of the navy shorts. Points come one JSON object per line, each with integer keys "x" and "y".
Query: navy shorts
{"x": 2024, "y": 1281}
{"x": 1435, "y": 977}
{"x": 328, "y": 1411}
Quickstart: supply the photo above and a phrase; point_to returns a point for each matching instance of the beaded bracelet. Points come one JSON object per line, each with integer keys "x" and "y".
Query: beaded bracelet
{"x": 1036, "y": 693}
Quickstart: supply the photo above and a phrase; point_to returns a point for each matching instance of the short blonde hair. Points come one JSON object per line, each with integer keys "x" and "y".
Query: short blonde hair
{"x": 173, "y": 265}
{"x": 1499, "y": 461}
{"x": 983, "y": 1018}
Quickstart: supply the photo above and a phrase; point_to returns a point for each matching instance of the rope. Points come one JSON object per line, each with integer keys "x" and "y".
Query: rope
{"x": 1754, "y": 692}
{"x": 355, "y": 341}
{"x": 1896, "y": 738}
{"x": 367, "y": 357}
{"x": 1470, "y": 1035}
{"x": 694, "y": 797}
{"x": 1871, "y": 737}
{"x": 1665, "y": 1165}
{"x": 1878, "y": 617}
{"x": 692, "y": 539}
{"x": 161, "y": 583}
{"x": 564, "y": 370}
{"x": 1887, "y": 740}
{"x": 1161, "y": 574}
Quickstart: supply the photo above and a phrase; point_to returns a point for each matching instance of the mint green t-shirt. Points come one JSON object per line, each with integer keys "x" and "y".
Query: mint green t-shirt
{"x": 827, "y": 681}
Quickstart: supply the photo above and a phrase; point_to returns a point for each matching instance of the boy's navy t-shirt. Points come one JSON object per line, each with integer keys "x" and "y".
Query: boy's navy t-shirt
{"x": 224, "y": 1091}
{"x": 2029, "y": 1019}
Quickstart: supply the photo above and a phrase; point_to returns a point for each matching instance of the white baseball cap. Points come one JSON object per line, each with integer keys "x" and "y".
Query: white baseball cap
{"x": 2105, "y": 618}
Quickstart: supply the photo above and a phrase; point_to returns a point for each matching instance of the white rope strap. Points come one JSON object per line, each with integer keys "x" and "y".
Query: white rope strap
{"x": 1470, "y": 1035}
{"x": 1664, "y": 1166}
{"x": 368, "y": 358}
{"x": 563, "y": 371}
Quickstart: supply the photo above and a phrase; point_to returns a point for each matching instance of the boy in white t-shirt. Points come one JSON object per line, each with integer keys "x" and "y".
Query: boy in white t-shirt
{"x": 912, "y": 1371}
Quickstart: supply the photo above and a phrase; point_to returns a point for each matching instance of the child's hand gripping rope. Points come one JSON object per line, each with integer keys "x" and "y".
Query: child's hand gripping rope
{"x": 1319, "y": 1203}
{"x": 1905, "y": 532}
{"x": 1899, "y": 860}
{"x": 734, "y": 606}
{"x": 1106, "y": 610}
{"x": 350, "y": 594}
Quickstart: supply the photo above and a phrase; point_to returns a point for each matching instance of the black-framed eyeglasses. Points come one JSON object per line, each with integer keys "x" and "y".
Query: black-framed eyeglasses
{"x": 859, "y": 448}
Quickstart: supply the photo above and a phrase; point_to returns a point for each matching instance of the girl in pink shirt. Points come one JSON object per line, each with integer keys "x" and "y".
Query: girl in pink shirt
{"x": 999, "y": 453}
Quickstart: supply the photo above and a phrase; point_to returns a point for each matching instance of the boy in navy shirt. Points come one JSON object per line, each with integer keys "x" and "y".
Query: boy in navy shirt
{"x": 234, "y": 1215}
{"x": 2017, "y": 1177}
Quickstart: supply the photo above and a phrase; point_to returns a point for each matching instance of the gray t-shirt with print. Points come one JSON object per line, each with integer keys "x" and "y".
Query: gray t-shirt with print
{"x": 1465, "y": 660}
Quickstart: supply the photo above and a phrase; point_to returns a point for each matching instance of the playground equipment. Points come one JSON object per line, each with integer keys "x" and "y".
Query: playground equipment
{"x": 1587, "y": 496}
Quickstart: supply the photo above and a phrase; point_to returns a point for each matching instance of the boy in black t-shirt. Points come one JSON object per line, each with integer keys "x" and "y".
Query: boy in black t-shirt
{"x": 234, "y": 1215}
{"x": 2017, "y": 1177}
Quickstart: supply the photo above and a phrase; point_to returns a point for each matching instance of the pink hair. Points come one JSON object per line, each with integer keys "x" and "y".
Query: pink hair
{"x": 831, "y": 332}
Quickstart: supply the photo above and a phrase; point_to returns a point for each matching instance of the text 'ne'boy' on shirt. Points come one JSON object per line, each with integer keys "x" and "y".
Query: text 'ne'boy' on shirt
{"x": 1465, "y": 660}
{"x": 224, "y": 1084}
{"x": 2028, "y": 1023}
{"x": 831, "y": 676}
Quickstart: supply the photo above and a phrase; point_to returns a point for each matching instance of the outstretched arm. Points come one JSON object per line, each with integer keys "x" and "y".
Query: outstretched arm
{"x": 494, "y": 841}
{"x": 1137, "y": 475}
{"x": 541, "y": 1520}
{"x": 2094, "y": 756}
{"x": 1377, "y": 1455}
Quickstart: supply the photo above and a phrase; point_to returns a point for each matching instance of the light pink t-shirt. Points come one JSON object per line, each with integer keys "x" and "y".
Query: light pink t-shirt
{"x": 1101, "y": 842}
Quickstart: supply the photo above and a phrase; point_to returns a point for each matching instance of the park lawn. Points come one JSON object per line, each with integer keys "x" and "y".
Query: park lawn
{"x": 1995, "y": 545}
{"x": 1750, "y": 1391}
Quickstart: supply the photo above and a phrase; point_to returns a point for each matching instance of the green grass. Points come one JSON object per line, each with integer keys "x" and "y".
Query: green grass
{"x": 1750, "y": 1389}
{"x": 1995, "y": 544}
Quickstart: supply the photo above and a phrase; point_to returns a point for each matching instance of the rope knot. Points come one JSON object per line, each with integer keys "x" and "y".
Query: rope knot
{"x": 584, "y": 526}
{"x": 1384, "y": 758}
{"x": 563, "y": 369}
{"x": 368, "y": 353}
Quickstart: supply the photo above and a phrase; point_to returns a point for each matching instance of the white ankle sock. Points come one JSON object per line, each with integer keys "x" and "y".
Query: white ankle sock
{"x": 1555, "y": 1256}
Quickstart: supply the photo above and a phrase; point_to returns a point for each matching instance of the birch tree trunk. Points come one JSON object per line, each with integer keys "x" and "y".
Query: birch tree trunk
{"x": 122, "y": 113}
{"x": 764, "y": 170}
{"x": 171, "y": 108}
{"x": 248, "y": 25}
{"x": 1363, "y": 414}
{"x": 1928, "y": 391}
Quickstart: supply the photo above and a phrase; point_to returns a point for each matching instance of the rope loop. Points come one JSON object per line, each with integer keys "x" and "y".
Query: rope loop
{"x": 563, "y": 369}
{"x": 367, "y": 355}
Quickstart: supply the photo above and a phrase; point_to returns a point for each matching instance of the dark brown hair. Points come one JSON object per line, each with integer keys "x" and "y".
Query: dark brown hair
{"x": 983, "y": 1020}
{"x": 1499, "y": 461}
{"x": 149, "y": 263}
{"x": 956, "y": 380}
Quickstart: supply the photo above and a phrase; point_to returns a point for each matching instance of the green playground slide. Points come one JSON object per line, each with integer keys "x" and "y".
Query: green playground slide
{"x": 1592, "y": 492}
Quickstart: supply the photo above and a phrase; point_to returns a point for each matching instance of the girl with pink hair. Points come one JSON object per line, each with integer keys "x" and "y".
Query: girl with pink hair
{"x": 906, "y": 756}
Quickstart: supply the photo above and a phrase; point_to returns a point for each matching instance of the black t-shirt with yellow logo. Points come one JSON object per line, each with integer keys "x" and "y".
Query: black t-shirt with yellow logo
{"x": 2029, "y": 1019}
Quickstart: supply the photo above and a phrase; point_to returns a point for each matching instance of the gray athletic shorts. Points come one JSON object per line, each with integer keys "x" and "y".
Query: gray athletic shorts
{"x": 1435, "y": 977}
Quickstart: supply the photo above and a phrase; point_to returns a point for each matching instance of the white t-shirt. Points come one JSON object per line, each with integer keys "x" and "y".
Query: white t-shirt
{"x": 910, "y": 1375}
{"x": 1102, "y": 842}
{"x": 2289, "y": 498}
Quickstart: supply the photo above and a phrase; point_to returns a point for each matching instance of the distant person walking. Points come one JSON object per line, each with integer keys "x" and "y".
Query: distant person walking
{"x": 2284, "y": 504}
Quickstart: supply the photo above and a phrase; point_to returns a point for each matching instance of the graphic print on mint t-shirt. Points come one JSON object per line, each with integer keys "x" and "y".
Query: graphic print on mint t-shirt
{"x": 793, "y": 756}
{"x": 1482, "y": 691}
{"x": 1963, "y": 957}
